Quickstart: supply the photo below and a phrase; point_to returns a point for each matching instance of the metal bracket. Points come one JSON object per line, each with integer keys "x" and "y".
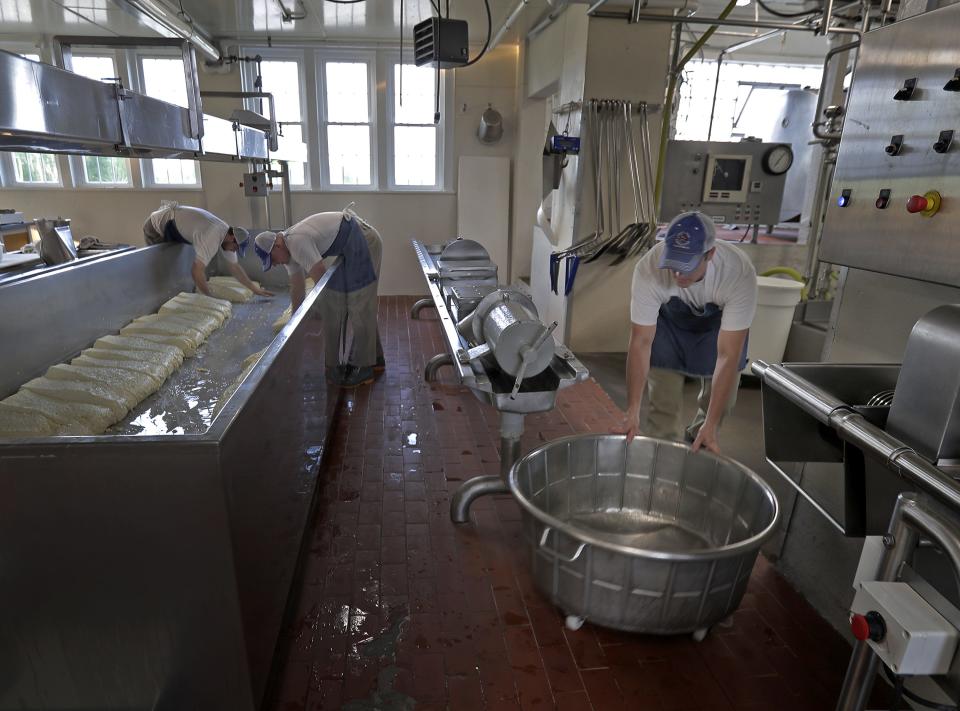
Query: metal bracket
{"x": 465, "y": 356}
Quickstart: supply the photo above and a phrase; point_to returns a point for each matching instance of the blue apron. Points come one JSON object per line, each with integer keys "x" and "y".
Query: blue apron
{"x": 172, "y": 234}
{"x": 686, "y": 340}
{"x": 356, "y": 270}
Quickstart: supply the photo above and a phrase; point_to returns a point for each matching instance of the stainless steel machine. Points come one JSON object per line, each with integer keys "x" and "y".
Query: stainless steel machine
{"x": 497, "y": 346}
{"x": 153, "y": 570}
{"x": 874, "y": 447}
{"x": 735, "y": 183}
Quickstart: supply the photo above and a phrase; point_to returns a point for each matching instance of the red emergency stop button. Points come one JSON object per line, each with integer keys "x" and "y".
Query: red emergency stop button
{"x": 926, "y": 204}
{"x": 870, "y": 626}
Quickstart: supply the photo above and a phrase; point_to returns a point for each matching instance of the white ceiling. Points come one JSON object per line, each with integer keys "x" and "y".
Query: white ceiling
{"x": 372, "y": 20}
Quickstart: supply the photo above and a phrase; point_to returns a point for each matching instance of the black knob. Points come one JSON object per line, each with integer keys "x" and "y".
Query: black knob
{"x": 906, "y": 93}
{"x": 896, "y": 143}
{"x": 943, "y": 142}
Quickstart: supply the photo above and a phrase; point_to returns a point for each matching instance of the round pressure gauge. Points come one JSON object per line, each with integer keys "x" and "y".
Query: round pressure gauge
{"x": 778, "y": 159}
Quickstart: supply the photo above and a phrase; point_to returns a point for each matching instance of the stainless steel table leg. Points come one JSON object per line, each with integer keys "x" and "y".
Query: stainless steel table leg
{"x": 419, "y": 306}
{"x": 434, "y": 364}
{"x": 511, "y": 429}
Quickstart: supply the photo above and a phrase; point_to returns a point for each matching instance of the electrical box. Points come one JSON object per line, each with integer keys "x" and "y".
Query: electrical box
{"x": 440, "y": 42}
{"x": 904, "y": 630}
{"x": 896, "y": 189}
{"x": 256, "y": 184}
{"x": 734, "y": 183}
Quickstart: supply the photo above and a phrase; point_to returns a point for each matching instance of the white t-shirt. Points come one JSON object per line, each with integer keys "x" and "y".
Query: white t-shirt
{"x": 204, "y": 230}
{"x": 310, "y": 238}
{"x": 730, "y": 283}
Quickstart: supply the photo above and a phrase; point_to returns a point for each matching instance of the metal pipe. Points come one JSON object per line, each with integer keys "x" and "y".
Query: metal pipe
{"x": 470, "y": 491}
{"x": 548, "y": 20}
{"x": 508, "y": 23}
{"x": 274, "y": 145}
{"x": 694, "y": 20}
{"x": 285, "y": 194}
{"x": 638, "y": 5}
{"x": 434, "y": 364}
{"x": 817, "y": 123}
{"x": 164, "y": 17}
{"x": 716, "y": 88}
{"x": 826, "y": 17}
{"x": 419, "y": 306}
{"x": 816, "y": 219}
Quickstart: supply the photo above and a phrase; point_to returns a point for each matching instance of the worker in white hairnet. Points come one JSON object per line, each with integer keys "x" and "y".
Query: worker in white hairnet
{"x": 693, "y": 300}
{"x": 207, "y": 234}
{"x": 351, "y": 293}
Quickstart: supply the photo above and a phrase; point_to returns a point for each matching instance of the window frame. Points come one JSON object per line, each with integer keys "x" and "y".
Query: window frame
{"x": 78, "y": 172}
{"x": 134, "y": 66}
{"x": 308, "y": 118}
{"x": 444, "y": 137}
{"x": 368, "y": 57}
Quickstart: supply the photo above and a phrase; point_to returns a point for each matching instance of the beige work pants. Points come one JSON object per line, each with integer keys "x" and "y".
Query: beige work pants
{"x": 359, "y": 310}
{"x": 664, "y": 418}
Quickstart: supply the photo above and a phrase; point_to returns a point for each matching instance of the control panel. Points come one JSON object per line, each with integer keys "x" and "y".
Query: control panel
{"x": 902, "y": 628}
{"x": 896, "y": 189}
{"x": 735, "y": 183}
{"x": 256, "y": 184}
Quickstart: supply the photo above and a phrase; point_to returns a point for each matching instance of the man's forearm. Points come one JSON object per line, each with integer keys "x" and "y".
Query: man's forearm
{"x": 297, "y": 292}
{"x": 241, "y": 276}
{"x": 638, "y": 368}
{"x": 198, "y": 271}
{"x": 724, "y": 379}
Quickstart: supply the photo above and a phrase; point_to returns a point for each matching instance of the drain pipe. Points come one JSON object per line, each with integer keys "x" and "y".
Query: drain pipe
{"x": 511, "y": 430}
{"x": 508, "y": 23}
{"x": 170, "y": 23}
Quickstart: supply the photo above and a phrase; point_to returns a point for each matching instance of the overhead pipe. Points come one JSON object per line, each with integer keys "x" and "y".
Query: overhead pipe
{"x": 508, "y": 23}
{"x": 558, "y": 9}
{"x": 167, "y": 19}
{"x": 818, "y": 124}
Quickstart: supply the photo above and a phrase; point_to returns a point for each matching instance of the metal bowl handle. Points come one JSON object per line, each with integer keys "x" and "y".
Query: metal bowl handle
{"x": 543, "y": 542}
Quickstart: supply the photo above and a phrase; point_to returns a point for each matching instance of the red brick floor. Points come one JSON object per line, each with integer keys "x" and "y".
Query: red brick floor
{"x": 398, "y": 605}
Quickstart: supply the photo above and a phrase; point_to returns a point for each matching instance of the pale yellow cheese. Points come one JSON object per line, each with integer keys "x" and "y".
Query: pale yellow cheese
{"x": 284, "y": 318}
{"x": 177, "y": 308}
{"x": 166, "y": 363}
{"x": 230, "y": 281}
{"x": 204, "y": 323}
{"x": 207, "y": 302}
{"x": 139, "y": 385}
{"x": 17, "y": 423}
{"x": 126, "y": 343}
{"x": 71, "y": 417}
{"x": 184, "y": 345}
{"x": 154, "y": 372}
{"x": 99, "y": 394}
{"x": 236, "y": 294}
{"x": 187, "y": 339}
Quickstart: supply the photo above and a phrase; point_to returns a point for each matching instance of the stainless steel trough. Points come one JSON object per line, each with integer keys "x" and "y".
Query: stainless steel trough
{"x": 642, "y": 537}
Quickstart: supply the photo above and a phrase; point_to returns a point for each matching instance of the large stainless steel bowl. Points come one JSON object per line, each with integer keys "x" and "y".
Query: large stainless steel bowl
{"x": 646, "y": 537}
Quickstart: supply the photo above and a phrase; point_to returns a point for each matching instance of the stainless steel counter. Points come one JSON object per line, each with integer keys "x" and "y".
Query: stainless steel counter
{"x": 153, "y": 571}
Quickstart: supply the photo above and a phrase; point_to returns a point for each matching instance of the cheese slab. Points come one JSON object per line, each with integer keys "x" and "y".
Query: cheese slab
{"x": 204, "y": 323}
{"x": 187, "y": 340}
{"x": 184, "y": 345}
{"x": 236, "y": 294}
{"x": 177, "y": 308}
{"x": 127, "y": 343}
{"x": 207, "y": 302}
{"x": 166, "y": 363}
{"x": 71, "y": 417}
{"x": 138, "y": 385}
{"x": 230, "y": 281}
{"x": 152, "y": 371}
{"x": 99, "y": 394}
{"x": 15, "y": 423}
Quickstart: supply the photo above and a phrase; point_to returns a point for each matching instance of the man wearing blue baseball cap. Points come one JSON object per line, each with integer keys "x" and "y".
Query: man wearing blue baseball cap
{"x": 351, "y": 292}
{"x": 692, "y": 302}
{"x": 207, "y": 234}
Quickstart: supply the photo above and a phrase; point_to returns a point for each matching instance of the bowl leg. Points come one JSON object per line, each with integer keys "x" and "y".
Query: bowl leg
{"x": 574, "y": 622}
{"x": 700, "y": 634}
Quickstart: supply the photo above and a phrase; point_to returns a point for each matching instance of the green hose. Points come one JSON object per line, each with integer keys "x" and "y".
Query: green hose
{"x": 793, "y": 274}
{"x": 668, "y": 107}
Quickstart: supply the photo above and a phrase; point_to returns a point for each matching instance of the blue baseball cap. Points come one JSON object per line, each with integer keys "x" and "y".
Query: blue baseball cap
{"x": 690, "y": 235}
{"x": 263, "y": 245}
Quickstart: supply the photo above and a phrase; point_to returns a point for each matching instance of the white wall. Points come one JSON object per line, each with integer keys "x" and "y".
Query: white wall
{"x": 117, "y": 215}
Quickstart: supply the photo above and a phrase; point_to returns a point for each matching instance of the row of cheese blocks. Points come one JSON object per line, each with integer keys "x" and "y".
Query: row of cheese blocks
{"x": 100, "y": 386}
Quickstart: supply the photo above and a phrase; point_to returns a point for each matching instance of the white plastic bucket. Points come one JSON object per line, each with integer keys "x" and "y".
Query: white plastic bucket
{"x": 777, "y": 299}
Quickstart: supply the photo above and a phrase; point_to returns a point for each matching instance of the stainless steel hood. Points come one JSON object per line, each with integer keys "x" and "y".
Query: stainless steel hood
{"x": 51, "y": 110}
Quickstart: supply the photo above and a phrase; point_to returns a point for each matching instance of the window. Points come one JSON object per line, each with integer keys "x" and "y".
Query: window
{"x": 163, "y": 79}
{"x": 282, "y": 78}
{"x": 101, "y": 170}
{"x": 346, "y": 109}
{"x": 34, "y": 168}
{"x": 749, "y": 97}
{"x": 415, "y": 139}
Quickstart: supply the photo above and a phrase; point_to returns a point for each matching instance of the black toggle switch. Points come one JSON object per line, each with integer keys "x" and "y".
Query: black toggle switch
{"x": 896, "y": 143}
{"x": 883, "y": 199}
{"x": 845, "y": 197}
{"x": 953, "y": 84}
{"x": 943, "y": 142}
{"x": 906, "y": 93}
